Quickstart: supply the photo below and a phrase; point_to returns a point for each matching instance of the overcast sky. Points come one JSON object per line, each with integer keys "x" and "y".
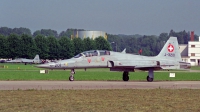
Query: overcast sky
{"x": 145, "y": 17}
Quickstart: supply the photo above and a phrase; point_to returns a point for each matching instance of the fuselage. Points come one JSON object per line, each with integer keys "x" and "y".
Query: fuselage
{"x": 110, "y": 59}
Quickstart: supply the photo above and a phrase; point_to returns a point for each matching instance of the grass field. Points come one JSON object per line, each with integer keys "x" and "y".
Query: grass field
{"x": 29, "y": 72}
{"x": 122, "y": 100}
{"x": 195, "y": 67}
{"x": 118, "y": 100}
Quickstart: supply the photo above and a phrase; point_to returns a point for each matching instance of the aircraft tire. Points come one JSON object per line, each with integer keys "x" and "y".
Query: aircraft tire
{"x": 125, "y": 76}
{"x": 71, "y": 78}
{"x": 149, "y": 79}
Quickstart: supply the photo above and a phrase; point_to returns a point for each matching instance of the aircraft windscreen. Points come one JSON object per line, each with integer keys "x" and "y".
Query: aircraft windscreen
{"x": 78, "y": 55}
{"x": 93, "y": 53}
{"x": 104, "y": 52}
{"x": 87, "y": 54}
{"x": 90, "y": 53}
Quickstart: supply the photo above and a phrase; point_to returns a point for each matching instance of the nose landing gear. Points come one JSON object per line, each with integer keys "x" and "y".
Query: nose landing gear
{"x": 71, "y": 77}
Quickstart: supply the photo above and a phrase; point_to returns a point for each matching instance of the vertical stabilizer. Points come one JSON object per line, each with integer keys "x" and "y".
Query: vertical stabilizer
{"x": 36, "y": 59}
{"x": 124, "y": 51}
{"x": 170, "y": 50}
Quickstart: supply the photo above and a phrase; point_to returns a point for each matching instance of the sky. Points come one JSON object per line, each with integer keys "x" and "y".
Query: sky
{"x": 144, "y": 17}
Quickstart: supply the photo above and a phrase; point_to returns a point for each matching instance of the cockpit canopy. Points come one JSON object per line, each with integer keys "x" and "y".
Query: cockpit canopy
{"x": 93, "y": 53}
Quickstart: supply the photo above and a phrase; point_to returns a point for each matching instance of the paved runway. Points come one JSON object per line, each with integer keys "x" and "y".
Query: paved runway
{"x": 53, "y": 85}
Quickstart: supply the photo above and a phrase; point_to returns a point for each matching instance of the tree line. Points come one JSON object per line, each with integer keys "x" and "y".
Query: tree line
{"x": 26, "y": 46}
{"x": 150, "y": 45}
{"x": 45, "y": 32}
{"x": 51, "y": 45}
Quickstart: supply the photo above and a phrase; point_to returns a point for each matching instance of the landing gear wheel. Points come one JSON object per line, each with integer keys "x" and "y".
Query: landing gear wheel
{"x": 71, "y": 78}
{"x": 149, "y": 79}
{"x": 125, "y": 76}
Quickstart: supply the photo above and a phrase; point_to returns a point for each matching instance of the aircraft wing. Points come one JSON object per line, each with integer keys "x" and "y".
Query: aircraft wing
{"x": 134, "y": 64}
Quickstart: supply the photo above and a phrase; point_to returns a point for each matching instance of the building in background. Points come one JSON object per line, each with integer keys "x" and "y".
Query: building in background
{"x": 194, "y": 52}
{"x": 90, "y": 34}
{"x": 191, "y": 52}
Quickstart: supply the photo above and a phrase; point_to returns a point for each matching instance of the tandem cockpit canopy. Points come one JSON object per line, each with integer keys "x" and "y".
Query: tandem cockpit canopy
{"x": 93, "y": 53}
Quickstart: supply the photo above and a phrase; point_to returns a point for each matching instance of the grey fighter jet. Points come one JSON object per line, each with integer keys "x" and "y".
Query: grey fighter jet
{"x": 25, "y": 61}
{"x": 35, "y": 60}
{"x": 168, "y": 58}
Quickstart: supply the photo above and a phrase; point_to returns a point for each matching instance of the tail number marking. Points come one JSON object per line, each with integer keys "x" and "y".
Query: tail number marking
{"x": 170, "y": 54}
{"x": 56, "y": 65}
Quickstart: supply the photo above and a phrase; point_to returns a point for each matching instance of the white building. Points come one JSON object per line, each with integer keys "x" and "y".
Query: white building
{"x": 191, "y": 52}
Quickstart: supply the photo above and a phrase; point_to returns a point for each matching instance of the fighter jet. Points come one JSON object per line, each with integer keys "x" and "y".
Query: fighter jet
{"x": 168, "y": 58}
{"x": 25, "y": 61}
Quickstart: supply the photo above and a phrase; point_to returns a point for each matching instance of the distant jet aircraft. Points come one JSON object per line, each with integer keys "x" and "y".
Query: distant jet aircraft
{"x": 168, "y": 58}
{"x": 24, "y": 60}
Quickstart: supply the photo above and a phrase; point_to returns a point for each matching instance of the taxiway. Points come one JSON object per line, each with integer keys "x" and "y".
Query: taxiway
{"x": 66, "y": 85}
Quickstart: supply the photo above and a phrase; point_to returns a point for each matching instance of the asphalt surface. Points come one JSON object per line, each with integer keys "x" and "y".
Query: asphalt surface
{"x": 65, "y": 85}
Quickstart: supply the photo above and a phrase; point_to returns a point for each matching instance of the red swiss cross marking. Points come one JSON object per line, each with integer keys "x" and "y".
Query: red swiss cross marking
{"x": 170, "y": 48}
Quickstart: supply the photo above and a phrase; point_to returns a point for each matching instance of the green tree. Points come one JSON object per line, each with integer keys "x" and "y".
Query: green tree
{"x": 3, "y": 47}
{"x": 46, "y": 32}
{"x": 21, "y": 30}
{"x": 182, "y": 36}
{"x": 114, "y": 40}
{"x": 66, "y": 48}
{"x": 28, "y": 46}
{"x": 89, "y": 44}
{"x": 54, "y": 48}
{"x": 148, "y": 45}
{"x": 78, "y": 45}
{"x": 14, "y": 46}
{"x": 132, "y": 45}
{"x": 36, "y": 33}
{"x": 42, "y": 46}
{"x": 163, "y": 37}
{"x": 68, "y": 33}
{"x": 5, "y": 31}
{"x": 102, "y": 43}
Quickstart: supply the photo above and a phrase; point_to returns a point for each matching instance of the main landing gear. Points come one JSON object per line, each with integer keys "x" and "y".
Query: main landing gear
{"x": 125, "y": 76}
{"x": 150, "y": 75}
{"x": 71, "y": 77}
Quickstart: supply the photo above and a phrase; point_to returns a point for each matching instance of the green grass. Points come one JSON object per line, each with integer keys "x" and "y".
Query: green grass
{"x": 118, "y": 100}
{"x": 114, "y": 100}
{"x": 18, "y": 66}
{"x": 29, "y": 72}
{"x": 195, "y": 67}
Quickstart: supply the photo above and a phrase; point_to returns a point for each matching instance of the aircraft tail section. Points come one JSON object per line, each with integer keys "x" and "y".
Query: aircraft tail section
{"x": 170, "y": 50}
{"x": 124, "y": 51}
{"x": 36, "y": 59}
